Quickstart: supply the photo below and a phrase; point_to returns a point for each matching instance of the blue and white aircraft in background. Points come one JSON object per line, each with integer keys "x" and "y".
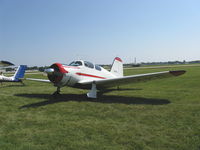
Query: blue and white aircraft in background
{"x": 19, "y": 74}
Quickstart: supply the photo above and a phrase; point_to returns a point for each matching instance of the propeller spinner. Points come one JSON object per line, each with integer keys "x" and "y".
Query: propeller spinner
{"x": 55, "y": 72}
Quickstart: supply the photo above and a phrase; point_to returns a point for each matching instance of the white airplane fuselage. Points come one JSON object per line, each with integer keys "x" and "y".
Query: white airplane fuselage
{"x": 73, "y": 75}
{"x": 86, "y": 75}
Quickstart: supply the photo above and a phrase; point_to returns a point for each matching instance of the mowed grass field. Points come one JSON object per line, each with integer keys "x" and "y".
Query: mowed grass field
{"x": 162, "y": 114}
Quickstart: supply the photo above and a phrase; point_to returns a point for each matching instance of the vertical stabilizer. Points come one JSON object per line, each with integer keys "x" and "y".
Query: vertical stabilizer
{"x": 117, "y": 67}
{"x": 20, "y": 72}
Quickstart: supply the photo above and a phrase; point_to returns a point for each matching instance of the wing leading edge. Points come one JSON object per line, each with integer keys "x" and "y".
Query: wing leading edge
{"x": 132, "y": 79}
{"x": 39, "y": 80}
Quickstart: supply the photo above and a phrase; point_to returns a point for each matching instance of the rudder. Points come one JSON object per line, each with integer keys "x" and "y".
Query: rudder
{"x": 20, "y": 72}
{"x": 117, "y": 67}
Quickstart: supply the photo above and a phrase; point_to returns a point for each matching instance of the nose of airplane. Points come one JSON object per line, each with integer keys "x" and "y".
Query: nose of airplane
{"x": 55, "y": 72}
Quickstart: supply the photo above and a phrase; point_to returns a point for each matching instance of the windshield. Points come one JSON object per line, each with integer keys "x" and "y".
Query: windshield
{"x": 76, "y": 63}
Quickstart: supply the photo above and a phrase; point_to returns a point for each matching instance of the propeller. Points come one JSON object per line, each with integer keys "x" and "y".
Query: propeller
{"x": 55, "y": 73}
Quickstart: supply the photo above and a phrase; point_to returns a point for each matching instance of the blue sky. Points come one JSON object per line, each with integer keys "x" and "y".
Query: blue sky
{"x": 41, "y": 32}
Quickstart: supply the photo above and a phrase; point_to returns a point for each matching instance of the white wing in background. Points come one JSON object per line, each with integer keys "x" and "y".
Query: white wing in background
{"x": 39, "y": 80}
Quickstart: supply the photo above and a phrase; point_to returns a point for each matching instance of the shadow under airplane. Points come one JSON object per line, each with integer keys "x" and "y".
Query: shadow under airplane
{"x": 11, "y": 85}
{"x": 82, "y": 98}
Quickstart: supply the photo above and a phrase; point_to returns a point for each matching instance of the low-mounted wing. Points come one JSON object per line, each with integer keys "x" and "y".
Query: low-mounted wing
{"x": 132, "y": 79}
{"x": 39, "y": 80}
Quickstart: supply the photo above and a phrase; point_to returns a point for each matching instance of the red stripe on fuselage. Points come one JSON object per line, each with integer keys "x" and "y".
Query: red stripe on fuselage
{"x": 89, "y": 75}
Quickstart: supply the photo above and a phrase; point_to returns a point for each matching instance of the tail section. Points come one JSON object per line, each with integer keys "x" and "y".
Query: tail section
{"x": 117, "y": 67}
{"x": 20, "y": 72}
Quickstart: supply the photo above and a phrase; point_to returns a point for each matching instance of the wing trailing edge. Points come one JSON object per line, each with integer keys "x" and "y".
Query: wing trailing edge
{"x": 133, "y": 78}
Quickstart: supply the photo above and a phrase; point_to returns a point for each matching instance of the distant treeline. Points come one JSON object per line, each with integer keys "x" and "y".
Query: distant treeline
{"x": 159, "y": 63}
{"x": 37, "y": 68}
{"x": 34, "y": 68}
{"x": 107, "y": 66}
{"x": 170, "y": 62}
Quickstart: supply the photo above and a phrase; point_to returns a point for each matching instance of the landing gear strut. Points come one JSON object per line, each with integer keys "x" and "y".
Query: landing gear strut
{"x": 21, "y": 82}
{"x": 57, "y": 92}
{"x": 93, "y": 92}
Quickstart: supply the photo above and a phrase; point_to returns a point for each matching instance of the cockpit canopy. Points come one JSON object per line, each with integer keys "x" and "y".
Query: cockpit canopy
{"x": 76, "y": 63}
{"x": 86, "y": 64}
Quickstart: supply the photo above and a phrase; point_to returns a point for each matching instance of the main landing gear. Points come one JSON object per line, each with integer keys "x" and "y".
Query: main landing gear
{"x": 93, "y": 92}
{"x": 21, "y": 82}
{"x": 57, "y": 92}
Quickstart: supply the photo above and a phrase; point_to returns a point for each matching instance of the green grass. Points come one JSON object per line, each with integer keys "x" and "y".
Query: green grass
{"x": 161, "y": 114}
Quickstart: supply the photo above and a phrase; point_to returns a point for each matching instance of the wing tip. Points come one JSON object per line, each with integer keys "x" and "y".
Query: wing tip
{"x": 177, "y": 73}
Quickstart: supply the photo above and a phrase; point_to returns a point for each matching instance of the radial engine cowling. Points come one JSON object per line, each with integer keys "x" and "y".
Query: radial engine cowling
{"x": 55, "y": 73}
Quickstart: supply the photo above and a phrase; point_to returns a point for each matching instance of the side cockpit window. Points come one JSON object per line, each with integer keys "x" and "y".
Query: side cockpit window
{"x": 97, "y": 67}
{"x": 89, "y": 64}
{"x": 76, "y": 63}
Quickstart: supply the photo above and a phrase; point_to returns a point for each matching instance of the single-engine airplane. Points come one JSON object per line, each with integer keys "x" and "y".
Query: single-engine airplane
{"x": 86, "y": 75}
{"x": 19, "y": 74}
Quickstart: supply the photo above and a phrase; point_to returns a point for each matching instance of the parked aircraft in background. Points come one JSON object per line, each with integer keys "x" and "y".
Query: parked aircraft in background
{"x": 86, "y": 75}
{"x": 5, "y": 63}
{"x": 19, "y": 74}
